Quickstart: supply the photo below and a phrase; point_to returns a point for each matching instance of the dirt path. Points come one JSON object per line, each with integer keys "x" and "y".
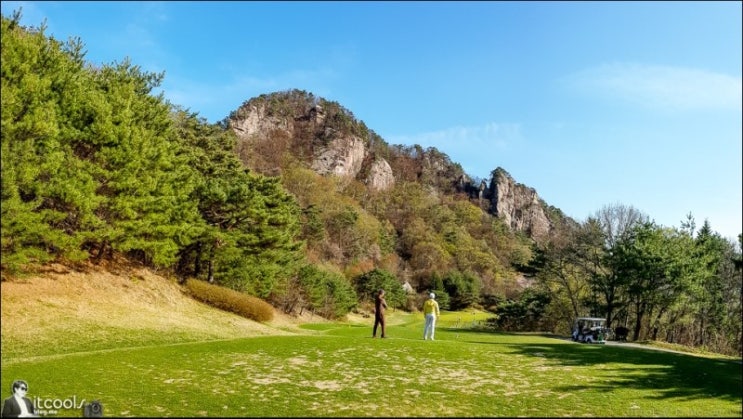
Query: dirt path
{"x": 642, "y": 346}
{"x": 634, "y": 345}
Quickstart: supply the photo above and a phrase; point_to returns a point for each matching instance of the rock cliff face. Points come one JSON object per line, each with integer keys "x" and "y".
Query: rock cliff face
{"x": 342, "y": 157}
{"x": 380, "y": 175}
{"x": 254, "y": 120}
{"x": 518, "y": 205}
{"x": 326, "y": 140}
{"x": 333, "y": 151}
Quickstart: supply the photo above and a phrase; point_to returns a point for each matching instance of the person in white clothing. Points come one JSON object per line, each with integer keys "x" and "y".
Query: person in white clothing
{"x": 431, "y": 312}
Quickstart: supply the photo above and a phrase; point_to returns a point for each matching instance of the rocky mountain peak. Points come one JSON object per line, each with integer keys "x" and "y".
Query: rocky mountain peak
{"x": 518, "y": 205}
{"x": 330, "y": 141}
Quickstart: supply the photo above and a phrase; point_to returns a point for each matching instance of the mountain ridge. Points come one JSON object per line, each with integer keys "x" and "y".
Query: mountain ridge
{"x": 327, "y": 138}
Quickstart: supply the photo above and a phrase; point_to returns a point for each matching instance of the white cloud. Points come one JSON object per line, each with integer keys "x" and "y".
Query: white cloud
{"x": 155, "y": 11}
{"x": 662, "y": 87}
{"x": 473, "y": 147}
{"x": 490, "y": 135}
{"x": 215, "y": 101}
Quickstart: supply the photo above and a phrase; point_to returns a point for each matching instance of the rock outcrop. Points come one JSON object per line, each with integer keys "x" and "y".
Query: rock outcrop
{"x": 254, "y": 120}
{"x": 334, "y": 150}
{"x": 341, "y": 157}
{"x": 380, "y": 175}
{"x": 330, "y": 141}
{"x": 518, "y": 205}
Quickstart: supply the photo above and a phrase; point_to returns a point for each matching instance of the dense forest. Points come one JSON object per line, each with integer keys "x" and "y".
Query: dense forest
{"x": 95, "y": 167}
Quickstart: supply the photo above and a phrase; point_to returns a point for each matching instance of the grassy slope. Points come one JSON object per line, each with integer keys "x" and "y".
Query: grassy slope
{"x": 63, "y": 311}
{"x": 137, "y": 343}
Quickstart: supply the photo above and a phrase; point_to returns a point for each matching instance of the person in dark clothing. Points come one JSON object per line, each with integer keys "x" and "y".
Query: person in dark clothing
{"x": 379, "y": 306}
{"x": 18, "y": 405}
{"x": 621, "y": 333}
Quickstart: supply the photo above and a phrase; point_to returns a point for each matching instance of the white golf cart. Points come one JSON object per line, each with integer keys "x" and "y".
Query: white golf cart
{"x": 590, "y": 330}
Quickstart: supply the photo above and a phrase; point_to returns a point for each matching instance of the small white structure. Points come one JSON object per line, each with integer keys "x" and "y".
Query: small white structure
{"x": 408, "y": 288}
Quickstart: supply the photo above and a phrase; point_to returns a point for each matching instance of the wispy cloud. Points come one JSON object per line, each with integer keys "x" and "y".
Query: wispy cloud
{"x": 216, "y": 100}
{"x": 474, "y": 146}
{"x": 155, "y": 11}
{"x": 490, "y": 135}
{"x": 140, "y": 36}
{"x": 231, "y": 84}
{"x": 662, "y": 88}
{"x": 31, "y": 13}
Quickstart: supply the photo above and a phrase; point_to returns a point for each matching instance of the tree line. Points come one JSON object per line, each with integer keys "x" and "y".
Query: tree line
{"x": 94, "y": 165}
{"x": 679, "y": 285}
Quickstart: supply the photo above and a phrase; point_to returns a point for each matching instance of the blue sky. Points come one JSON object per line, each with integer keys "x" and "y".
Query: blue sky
{"x": 590, "y": 103}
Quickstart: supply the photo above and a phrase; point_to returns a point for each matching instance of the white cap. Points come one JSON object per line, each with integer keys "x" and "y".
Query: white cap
{"x": 432, "y": 295}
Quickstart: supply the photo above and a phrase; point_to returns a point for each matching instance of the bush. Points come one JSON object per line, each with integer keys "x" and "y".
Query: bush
{"x": 437, "y": 287}
{"x": 463, "y": 288}
{"x": 369, "y": 283}
{"x": 230, "y": 300}
{"x": 329, "y": 293}
{"x": 442, "y": 297}
{"x": 524, "y": 314}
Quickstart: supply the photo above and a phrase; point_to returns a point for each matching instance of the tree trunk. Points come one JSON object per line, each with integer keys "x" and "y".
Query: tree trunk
{"x": 640, "y": 312}
{"x": 656, "y": 322}
{"x": 210, "y": 274}
{"x": 702, "y": 325}
{"x": 101, "y": 251}
{"x": 197, "y": 261}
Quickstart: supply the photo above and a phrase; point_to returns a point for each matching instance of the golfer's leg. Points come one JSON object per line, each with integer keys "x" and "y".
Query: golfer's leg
{"x": 427, "y": 330}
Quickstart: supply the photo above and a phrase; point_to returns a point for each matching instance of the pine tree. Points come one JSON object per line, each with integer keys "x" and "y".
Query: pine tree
{"x": 47, "y": 191}
{"x": 249, "y": 238}
{"x": 145, "y": 185}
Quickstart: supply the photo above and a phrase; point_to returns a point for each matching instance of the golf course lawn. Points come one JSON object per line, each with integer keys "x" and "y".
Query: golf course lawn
{"x": 198, "y": 361}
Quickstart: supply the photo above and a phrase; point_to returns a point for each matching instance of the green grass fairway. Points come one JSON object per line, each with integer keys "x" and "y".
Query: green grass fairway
{"x": 337, "y": 369}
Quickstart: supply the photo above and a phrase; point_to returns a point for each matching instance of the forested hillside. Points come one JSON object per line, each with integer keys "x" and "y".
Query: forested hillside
{"x": 293, "y": 199}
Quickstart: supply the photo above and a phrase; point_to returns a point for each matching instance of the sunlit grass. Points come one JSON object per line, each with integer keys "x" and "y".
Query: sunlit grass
{"x": 342, "y": 371}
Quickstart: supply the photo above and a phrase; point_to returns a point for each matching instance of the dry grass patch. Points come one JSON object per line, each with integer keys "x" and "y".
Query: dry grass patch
{"x": 230, "y": 300}
{"x": 61, "y": 310}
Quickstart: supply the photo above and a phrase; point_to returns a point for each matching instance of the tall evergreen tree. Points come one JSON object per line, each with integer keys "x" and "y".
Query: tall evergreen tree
{"x": 48, "y": 190}
{"x": 248, "y": 238}
{"x": 712, "y": 253}
{"x": 145, "y": 184}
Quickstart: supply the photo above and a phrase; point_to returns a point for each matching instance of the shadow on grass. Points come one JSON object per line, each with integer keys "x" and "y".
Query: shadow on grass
{"x": 667, "y": 374}
{"x": 670, "y": 374}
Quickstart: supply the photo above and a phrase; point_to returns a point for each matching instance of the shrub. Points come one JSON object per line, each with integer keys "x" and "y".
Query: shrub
{"x": 524, "y": 314}
{"x": 327, "y": 292}
{"x": 230, "y": 300}
{"x": 370, "y": 282}
{"x": 463, "y": 288}
{"x": 437, "y": 287}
